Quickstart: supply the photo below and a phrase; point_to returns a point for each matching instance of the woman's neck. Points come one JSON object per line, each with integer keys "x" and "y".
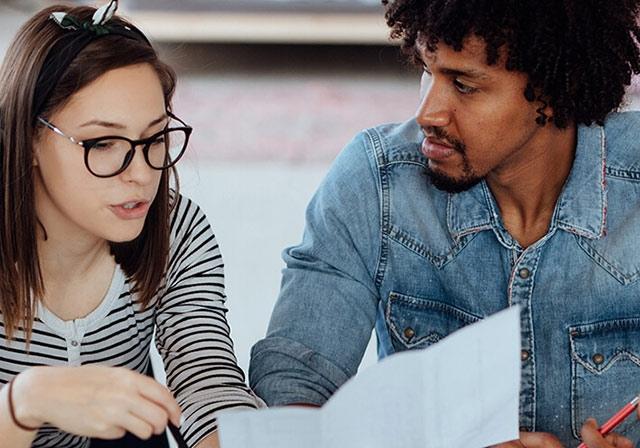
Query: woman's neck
{"x": 62, "y": 259}
{"x": 76, "y": 272}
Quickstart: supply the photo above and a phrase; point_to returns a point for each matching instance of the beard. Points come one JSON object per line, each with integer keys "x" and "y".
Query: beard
{"x": 448, "y": 183}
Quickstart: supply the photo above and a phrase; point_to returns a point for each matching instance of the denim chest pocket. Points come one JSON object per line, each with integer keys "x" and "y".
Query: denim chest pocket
{"x": 605, "y": 367}
{"x": 416, "y": 322}
{"x": 619, "y": 258}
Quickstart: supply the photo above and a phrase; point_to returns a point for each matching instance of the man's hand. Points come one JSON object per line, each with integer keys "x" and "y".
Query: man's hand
{"x": 589, "y": 432}
{"x": 533, "y": 440}
{"x": 593, "y": 439}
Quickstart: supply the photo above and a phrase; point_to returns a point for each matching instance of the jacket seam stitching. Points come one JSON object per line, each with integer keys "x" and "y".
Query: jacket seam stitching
{"x": 383, "y": 191}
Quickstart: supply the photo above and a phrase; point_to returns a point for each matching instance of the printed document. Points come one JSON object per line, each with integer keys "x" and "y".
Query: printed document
{"x": 461, "y": 392}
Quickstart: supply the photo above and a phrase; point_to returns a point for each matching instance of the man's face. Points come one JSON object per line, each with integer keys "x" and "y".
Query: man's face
{"x": 476, "y": 120}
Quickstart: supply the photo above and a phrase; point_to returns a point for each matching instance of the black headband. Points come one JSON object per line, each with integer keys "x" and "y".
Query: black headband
{"x": 62, "y": 54}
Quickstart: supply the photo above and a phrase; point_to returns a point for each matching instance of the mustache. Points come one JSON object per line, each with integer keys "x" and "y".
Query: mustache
{"x": 442, "y": 135}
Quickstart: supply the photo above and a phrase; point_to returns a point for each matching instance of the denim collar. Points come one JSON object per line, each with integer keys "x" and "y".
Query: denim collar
{"x": 581, "y": 207}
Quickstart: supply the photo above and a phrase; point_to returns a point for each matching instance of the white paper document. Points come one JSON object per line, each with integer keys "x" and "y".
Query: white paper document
{"x": 461, "y": 392}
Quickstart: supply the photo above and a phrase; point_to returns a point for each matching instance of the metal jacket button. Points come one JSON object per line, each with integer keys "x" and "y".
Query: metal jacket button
{"x": 409, "y": 333}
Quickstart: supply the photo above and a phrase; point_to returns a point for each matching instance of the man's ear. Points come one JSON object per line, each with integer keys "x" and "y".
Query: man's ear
{"x": 544, "y": 110}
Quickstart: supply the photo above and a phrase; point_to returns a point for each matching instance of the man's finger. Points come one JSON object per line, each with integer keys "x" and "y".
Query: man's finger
{"x": 619, "y": 441}
{"x": 539, "y": 440}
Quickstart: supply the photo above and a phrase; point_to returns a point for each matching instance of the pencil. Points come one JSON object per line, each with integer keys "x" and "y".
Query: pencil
{"x": 617, "y": 418}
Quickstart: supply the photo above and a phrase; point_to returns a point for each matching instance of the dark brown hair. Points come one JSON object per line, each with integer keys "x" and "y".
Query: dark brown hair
{"x": 143, "y": 259}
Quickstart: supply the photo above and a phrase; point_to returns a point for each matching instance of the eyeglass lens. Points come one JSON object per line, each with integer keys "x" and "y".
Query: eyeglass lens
{"x": 109, "y": 156}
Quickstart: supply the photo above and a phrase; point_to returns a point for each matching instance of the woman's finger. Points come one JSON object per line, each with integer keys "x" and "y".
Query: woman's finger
{"x": 156, "y": 392}
{"x": 136, "y": 426}
{"x": 152, "y": 413}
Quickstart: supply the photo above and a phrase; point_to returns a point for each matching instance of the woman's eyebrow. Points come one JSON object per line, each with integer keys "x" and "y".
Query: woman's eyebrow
{"x": 158, "y": 120}
{"x": 109, "y": 124}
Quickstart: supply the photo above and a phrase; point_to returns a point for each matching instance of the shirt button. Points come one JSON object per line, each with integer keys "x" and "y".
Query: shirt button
{"x": 598, "y": 358}
{"x": 524, "y": 273}
{"x": 74, "y": 343}
{"x": 409, "y": 333}
{"x": 524, "y": 355}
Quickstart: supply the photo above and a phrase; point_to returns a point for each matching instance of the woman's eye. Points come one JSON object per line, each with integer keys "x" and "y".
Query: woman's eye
{"x": 426, "y": 70}
{"x": 463, "y": 88}
{"x": 102, "y": 145}
{"x": 158, "y": 141}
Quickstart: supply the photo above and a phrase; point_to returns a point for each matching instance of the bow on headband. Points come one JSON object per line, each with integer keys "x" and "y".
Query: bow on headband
{"x": 81, "y": 34}
{"x": 97, "y": 24}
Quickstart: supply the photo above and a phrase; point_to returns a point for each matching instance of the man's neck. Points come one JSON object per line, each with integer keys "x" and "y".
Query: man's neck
{"x": 527, "y": 190}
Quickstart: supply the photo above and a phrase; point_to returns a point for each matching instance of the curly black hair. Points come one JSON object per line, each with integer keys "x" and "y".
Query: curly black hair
{"x": 579, "y": 55}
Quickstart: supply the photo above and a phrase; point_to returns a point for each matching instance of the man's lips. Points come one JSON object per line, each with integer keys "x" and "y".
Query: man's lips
{"x": 436, "y": 150}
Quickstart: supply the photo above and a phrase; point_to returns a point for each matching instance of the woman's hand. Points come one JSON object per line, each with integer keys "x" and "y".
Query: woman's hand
{"x": 94, "y": 401}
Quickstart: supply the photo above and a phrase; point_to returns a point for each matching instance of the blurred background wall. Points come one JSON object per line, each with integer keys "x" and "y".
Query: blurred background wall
{"x": 274, "y": 89}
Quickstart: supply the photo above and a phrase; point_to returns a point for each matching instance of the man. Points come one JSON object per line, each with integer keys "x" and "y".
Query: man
{"x": 516, "y": 183}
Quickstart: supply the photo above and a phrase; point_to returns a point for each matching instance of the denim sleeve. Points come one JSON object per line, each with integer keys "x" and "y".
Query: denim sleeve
{"x": 324, "y": 316}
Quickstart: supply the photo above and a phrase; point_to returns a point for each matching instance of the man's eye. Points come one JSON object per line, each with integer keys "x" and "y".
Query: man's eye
{"x": 426, "y": 70}
{"x": 463, "y": 88}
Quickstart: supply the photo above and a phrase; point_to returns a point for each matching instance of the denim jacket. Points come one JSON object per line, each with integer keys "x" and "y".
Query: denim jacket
{"x": 384, "y": 249}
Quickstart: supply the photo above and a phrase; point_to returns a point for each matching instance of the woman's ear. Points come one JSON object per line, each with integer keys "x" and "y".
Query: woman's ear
{"x": 37, "y": 143}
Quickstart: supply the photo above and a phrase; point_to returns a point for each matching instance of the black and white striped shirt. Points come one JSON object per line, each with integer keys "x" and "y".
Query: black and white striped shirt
{"x": 191, "y": 331}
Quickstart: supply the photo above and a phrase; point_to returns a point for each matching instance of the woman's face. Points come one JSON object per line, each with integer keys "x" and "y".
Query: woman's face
{"x": 70, "y": 201}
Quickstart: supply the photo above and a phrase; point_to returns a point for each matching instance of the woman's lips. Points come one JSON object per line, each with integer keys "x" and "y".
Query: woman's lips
{"x": 436, "y": 151}
{"x": 139, "y": 210}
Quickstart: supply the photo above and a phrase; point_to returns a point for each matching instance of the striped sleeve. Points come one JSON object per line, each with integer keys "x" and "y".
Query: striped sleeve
{"x": 192, "y": 332}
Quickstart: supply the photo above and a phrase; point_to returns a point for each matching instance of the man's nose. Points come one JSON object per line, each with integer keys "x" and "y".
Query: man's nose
{"x": 435, "y": 109}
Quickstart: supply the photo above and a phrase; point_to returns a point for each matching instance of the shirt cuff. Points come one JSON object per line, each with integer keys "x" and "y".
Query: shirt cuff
{"x": 284, "y": 372}
{"x": 199, "y": 411}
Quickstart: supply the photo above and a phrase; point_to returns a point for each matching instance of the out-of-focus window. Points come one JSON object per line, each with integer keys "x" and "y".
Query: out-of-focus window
{"x": 262, "y": 21}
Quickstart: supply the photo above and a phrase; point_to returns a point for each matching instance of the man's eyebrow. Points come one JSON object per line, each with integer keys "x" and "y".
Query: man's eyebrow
{"x": 109, "y": 124}
{"x": 466, "y": 73}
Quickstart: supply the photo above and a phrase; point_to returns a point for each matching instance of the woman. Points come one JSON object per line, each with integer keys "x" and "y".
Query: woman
{"x": 96, "y": 251}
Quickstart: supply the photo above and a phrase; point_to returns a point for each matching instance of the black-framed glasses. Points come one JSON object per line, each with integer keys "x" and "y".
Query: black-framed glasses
{"x": 110, "y": 155}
